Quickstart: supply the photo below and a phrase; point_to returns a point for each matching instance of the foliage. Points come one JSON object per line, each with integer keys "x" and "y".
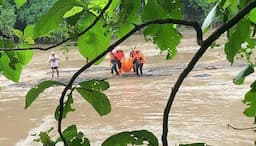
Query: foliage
{"x": 196, "y": 9}
{"x": 34, "y": 92}
{"x": 76, "y": 16}
{"x": 7, "y": 18}
{"x": 134, "y": 137}
{"x": 31, "y": 12}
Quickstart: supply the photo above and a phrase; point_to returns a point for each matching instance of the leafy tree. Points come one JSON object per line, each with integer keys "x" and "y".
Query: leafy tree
{"x": 196, "y": 9}
{"x": 7, "y": 18}
{"x": 96, "y": 23}
{"x": 31, "y": 12}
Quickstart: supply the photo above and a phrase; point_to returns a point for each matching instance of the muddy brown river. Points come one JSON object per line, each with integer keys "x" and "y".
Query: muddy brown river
{"x": 204, "y": 105}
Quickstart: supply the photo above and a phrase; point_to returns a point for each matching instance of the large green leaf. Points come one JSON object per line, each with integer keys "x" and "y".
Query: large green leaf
{"x": 97, "y": 99}
{"x": 133, "y": 137}
{"x": 128, "y": 16}
{"x": 19, "y": 3}
{"x": 173, "y": 8}
{"x": 66, "y": 109}
{"x": 252, "y": 16}
{"x": 250, "y": 101}
{"x": 193, "y": 144}
{"x": 24, "y": 56}
{"x": 97, "y": 85}
{"x": 34, "y": 92}
{"x": 239, "y": 36}
{"x": 74, "y": 138}
{"x": 6, "y": 44}
{"x": 75, "y": 10}
{"x": 165, "y": 36}
{"x": 29, "y": 34}
{"x": 95, "y": 41}
{"x": 10, "y": 66}
{"x": 18, "y": 33}
{"x": 52, "y": 19}
{"x": 239, "y": 79}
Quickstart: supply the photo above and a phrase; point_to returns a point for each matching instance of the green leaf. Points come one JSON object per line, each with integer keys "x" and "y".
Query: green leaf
{"x": 24, "y": 56}
{"x": 6, "y": 44}
{"x": 52, "y": 19}
{"x": 34, "y": 92}
{"x": 18, "y": 33}
{"x": 74, "y": 138}
{"x": 94, "y": 42}
{"x": 239, "y": 79}
{"x": 239, "y": 36}
{"x": 193, "y": 144}
{"x": 46, "y": 140}
{"x": 250, "y": 101}
{"x": 165, "y": 36}
{"x": 20, "y": 3}
{"x": 252, "y": 15}
{"x": 173, "y": 8}
{"x": 66, "y": 109}
{"x": 133, "y": 137}
{"x": 29, "y": 34}
{"x": 128, "y": 16}
{"x": 97, "y": 85}
{"x": 73, "y": 11}
{"x": 97, "y": 99}
{"x": 210, "y": 18}
{"x": 11, "y": 68}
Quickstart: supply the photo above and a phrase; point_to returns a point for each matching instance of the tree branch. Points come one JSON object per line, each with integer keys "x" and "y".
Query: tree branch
{"x": 205, "y": 45}
{"x": 163, "y": 21}
{"x": 61, "y": 101}
{"x": 64, "y": 41}
{"x": 248, "y": 128}
{"x": 115, "y": 44}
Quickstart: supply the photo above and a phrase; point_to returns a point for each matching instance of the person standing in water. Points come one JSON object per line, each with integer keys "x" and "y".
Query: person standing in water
{"x": 114, "y": 63}
{"x": 139, "y": 60}
{"x": 53, "y": 60}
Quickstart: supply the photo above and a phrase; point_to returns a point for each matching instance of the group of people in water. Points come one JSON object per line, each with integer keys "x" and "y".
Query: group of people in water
{"x": 119, "y": 64}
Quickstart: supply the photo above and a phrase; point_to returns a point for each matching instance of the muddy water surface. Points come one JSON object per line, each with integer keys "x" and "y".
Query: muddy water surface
{"x": 205, "y": 104}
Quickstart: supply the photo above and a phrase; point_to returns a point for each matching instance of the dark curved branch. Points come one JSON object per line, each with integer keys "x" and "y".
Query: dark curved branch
{"x": 248, "y": 128}
{"x": 69, "y": 86}
{"x": 205, "y": 45}
{"x": 111, "y": 47}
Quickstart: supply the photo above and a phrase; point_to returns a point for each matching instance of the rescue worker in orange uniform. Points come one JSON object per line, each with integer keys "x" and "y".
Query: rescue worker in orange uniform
{"x": 139, "y": 60}
{"x": 114, "y": 63}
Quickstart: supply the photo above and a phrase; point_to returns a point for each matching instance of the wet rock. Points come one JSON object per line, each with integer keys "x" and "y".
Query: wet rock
{"x": 201, "y": 75}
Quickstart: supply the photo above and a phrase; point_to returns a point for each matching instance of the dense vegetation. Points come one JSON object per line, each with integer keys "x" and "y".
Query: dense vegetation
{"x": 93, "y": 24}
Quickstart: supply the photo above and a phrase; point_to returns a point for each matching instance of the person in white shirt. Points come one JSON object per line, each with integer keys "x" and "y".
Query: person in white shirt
{"x": 53, "y": 60}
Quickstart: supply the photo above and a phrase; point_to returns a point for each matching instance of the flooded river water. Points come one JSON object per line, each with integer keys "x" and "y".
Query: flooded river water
{"x": 205, "y": 104}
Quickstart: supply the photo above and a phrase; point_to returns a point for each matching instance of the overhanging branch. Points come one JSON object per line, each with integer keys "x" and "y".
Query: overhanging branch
{"x": 115, "y": 44}
{"x": 205, "y": 45}
{"x": 66, "y": 40}
{"x": 193, "y": 24}
{"x": 61, "y": 101}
